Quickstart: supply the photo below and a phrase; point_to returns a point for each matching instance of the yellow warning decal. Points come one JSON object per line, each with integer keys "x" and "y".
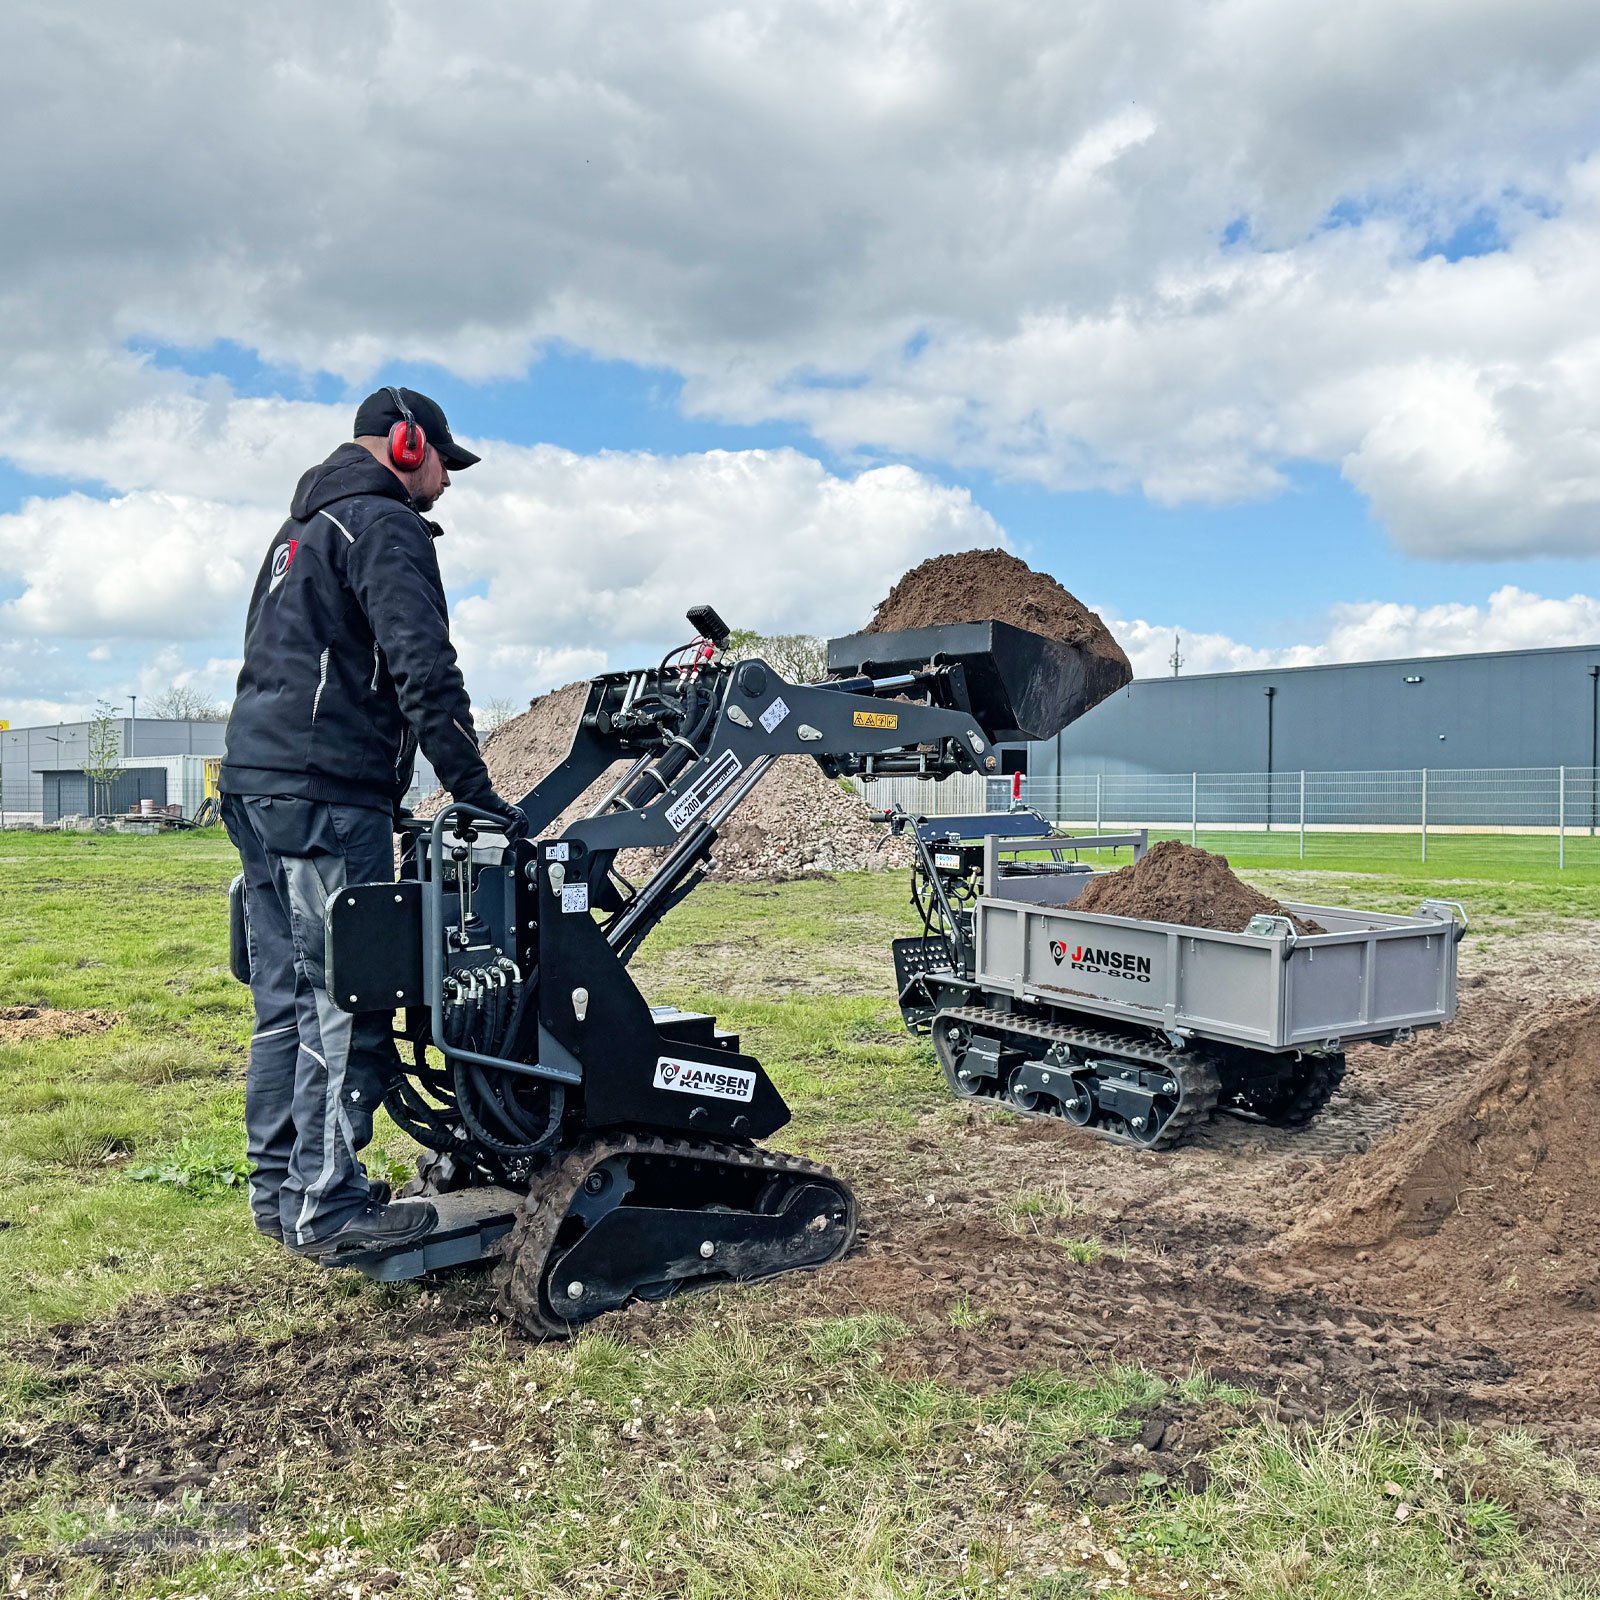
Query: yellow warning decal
{"x": 877, "y": 719}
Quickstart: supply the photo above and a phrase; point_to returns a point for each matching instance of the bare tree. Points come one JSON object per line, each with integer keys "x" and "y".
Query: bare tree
{"x": 492, "y": 713}
{"x": 103, "y": 761}
{"x": 180, "y": 703}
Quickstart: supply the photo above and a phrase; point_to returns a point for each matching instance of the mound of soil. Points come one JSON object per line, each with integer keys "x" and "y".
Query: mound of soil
{"x": 1177, "y": 883}
{"x": 994, "y": 586}
{"x": 1486, "y": 1215}
{"x": 796, "y": 824}
{"x": 19, "y": 1024}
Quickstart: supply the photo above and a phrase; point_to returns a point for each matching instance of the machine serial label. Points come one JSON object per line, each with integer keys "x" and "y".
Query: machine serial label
{"x": 703, "y": 791}
{"x": 695, "y": 1077}
{"x": 575, "y": 897}
{"x": 774, "y": 714}
{"x": 876, "y": 719}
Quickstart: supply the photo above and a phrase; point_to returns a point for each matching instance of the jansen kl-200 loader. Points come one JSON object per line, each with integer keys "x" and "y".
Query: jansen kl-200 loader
{"x": 609, "y": 1150}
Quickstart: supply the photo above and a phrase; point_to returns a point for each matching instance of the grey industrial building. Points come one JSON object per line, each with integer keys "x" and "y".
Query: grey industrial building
{"x": 1511, "y": 708}
{"x": 42, "y": 777}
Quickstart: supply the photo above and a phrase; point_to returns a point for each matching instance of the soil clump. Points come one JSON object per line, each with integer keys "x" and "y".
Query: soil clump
{"x": 995, "y": 586}
{"x": 25, "y": 1024}
{"x": 797, "y": 823}
{"x": 1175, "y": 882}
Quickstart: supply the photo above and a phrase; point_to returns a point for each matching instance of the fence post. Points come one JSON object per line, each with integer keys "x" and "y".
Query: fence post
{"x": 1561, "y": 820}
{"x": 1097, "y": 781}
{"x": 1302, "y": 813}
{"x": 1424, "y": 813}
{"x": 1194, "y": 809}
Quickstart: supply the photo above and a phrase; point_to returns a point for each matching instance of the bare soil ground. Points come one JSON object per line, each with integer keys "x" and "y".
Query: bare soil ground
{"x": 26, "y": 1023}
{"x": 1067, "y": 1247}
{"x": 1005, "y": 1246}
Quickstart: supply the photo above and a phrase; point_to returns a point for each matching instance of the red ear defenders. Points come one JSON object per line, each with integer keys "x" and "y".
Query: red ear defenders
{"x": 408, "y": 444}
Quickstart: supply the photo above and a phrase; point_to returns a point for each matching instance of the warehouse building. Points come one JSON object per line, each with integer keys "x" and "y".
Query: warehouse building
{"x": 42, "y": 777}
{"x": 1501, "y": 709}
{"x": 42, "y": 769}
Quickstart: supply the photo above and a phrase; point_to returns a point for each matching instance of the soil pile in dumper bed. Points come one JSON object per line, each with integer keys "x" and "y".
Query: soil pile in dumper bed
{"x": 1177, "y": 883}
{"x": 1486, "y": 1214}
{"x": 796, "y": 824}
{"x": 994, "y": 586}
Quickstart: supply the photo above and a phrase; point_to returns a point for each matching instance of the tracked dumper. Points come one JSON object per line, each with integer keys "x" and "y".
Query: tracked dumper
{"x": 1140, "y": 1030}
{"x": 604, "y": 1149}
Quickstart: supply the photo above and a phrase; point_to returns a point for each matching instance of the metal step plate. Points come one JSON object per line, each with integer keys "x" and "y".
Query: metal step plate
{"x": 472, "y": 1222}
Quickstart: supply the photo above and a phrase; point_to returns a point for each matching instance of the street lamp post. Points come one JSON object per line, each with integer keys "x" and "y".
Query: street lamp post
{"x": 1271, "y": 694}
{"x": 1594, "y": 745}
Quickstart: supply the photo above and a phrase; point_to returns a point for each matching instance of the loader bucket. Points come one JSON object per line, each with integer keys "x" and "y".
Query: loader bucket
{"x": 1018, "y": 685}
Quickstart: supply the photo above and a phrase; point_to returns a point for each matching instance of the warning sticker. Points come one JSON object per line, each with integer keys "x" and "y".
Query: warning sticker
{"x": 703, "y": 791}
{"x": 575, "y": 897}
{"x": 695, "y": 1077}
{"x": 877, "y": 719}
{"x": 774, "y": 714}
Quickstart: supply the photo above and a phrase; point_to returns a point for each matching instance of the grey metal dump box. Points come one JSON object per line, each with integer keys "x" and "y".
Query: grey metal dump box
{"x": 1370, "y": 975}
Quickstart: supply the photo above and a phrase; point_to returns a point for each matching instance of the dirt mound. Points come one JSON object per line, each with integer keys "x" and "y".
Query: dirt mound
{"x": 1177, "y": 883}
{"x": 994, "y": 586}
{"x": 1489, "y": 1212}
{"x": 22, "y": 1024}
{"x": 797, "y": 823}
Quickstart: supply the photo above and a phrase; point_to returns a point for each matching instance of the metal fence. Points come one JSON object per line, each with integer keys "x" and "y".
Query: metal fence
{"x": 1563, "y": 802}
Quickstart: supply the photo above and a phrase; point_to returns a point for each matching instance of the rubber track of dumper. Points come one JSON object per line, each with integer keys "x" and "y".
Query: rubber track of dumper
{"x": 1198, "y": 1082}
{"x": 540, "y": 1216}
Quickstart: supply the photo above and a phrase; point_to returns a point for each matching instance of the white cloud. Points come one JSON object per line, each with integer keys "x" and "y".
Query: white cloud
{"x": 563, "y": 562}
{"x": 148, "y": 564}
{"x": 591, "y": 552}
{"x": 1375, "y": 630}
{"x": 1001, "y": 222}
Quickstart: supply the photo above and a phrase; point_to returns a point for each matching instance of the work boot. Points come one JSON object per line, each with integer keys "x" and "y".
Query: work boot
{"x": 373, "y": 1230}
{"x": 379, "y": 1193}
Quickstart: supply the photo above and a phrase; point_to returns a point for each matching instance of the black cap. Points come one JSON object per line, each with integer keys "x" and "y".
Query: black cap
{"x": 379, "y": 412}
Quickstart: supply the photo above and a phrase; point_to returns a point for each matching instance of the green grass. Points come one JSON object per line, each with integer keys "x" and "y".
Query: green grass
{"x": 729, "y": 1454}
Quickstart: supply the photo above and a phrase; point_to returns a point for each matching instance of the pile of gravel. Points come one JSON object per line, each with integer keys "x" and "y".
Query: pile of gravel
{"x": 796, "y": 824}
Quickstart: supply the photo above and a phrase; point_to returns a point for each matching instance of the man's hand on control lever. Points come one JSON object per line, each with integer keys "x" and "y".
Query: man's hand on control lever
{"x": 512, "y": 819}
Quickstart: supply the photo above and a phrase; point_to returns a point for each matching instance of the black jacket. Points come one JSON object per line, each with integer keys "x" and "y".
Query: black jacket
{"x": 347, "y": 655}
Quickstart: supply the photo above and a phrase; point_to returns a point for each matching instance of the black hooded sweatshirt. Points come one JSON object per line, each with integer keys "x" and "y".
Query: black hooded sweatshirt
{"x": 347, "y": 657}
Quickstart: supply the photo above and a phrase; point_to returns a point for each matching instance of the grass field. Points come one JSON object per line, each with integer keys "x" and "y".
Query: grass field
{"x": 185, "y": 1410}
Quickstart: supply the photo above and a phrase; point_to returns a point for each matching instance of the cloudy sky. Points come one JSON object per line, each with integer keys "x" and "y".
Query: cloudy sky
{"x": 1267, "y": 321}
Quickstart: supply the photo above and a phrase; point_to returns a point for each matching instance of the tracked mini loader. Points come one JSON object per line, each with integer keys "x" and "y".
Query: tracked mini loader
{"x": 605, "y": 1149}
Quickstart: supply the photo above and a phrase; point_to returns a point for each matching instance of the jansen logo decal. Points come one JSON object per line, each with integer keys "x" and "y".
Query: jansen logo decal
{"x": 695, "y": 1077}
{"x": 282, "y": 560}
{"x": 1103, "y": 963}
{"x": 876, "y": 719}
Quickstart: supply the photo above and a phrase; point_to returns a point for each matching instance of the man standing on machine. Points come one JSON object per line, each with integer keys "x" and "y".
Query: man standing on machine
{"x": 348, "y": 668}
